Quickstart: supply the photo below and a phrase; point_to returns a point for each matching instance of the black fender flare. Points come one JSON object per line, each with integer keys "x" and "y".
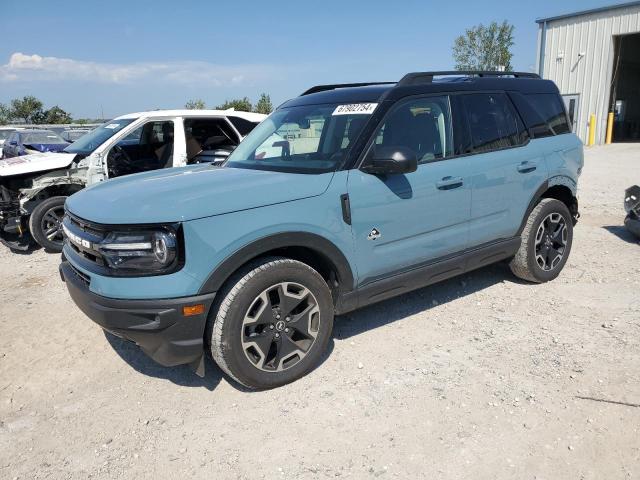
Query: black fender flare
{"x": 546, "y": 185}
{"x": 318, "y": 244}
{"x": 532, "y": 204}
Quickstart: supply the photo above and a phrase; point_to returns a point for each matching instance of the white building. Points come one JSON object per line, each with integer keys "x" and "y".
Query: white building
{"x": 594, "y": 58}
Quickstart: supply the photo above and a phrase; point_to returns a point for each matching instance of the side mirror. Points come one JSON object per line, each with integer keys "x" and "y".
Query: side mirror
{"x": 391, "y": 160}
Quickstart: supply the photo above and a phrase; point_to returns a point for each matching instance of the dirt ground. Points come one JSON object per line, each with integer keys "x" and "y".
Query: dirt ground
{"x": 482, "y": 376}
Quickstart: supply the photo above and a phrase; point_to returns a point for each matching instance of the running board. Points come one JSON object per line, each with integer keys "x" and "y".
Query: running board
{"x": 427, "y": 274}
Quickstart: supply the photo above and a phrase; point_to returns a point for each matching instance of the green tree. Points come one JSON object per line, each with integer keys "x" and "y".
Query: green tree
{"x": 484, "y": 47}
{"x": 5, "y": 114}
{"x": 264, "y": 104}
{"x": 28, "y": 108}
{"x": 239, "y": 104}
{"x": 56, "y": 115}
{"x": 197, "y": 104}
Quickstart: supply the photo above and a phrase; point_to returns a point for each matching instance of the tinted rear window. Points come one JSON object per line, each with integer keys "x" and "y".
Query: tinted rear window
{"x": 550, "y": 107}
{"x": 493, "y": 122}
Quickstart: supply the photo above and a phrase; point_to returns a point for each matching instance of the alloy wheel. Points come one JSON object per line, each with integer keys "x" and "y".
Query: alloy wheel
{"x": 280, "y": 327}
{"x": 51, "y": 224}
{"x": 551, "y": 241}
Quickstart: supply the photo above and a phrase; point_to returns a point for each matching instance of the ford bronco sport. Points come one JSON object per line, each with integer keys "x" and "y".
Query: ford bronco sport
{"x": 33, "y": 188}
{"x": 344, "y": 196}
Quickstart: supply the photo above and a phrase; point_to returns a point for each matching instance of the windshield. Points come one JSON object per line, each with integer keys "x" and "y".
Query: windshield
{"x": 92, "y": 140}
{"x": 73, "y": 135}
{"x": 303, "y": 139}
{"x": 46, "y": 138}
{"x": 4, "y": 134}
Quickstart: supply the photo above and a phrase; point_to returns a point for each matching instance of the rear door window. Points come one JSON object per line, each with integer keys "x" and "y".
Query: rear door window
{"x": 493, "y": 122}
{"x": 208, "y": 139}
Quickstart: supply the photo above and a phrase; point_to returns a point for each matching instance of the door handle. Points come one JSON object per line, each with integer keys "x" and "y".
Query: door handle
{"x": 449, "y": 183}
{"x": 526, "y": 167}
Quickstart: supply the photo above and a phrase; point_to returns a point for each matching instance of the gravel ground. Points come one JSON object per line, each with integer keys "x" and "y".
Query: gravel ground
{"x": 482, "y": 376}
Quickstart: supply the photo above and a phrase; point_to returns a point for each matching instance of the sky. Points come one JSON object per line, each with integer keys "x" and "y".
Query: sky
{"x": 122, "y": 56}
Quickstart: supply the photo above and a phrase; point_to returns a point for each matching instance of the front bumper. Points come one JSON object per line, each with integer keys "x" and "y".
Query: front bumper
{"x": 157, "y": 326}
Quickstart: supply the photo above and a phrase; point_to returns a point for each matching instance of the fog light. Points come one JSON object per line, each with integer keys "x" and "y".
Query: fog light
{"x": 191, "y": 310}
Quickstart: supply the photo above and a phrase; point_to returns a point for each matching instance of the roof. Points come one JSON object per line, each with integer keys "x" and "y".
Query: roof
{"x": 252, "y": 117}
{"x": 605, "y": 8}
{"x": 369, "y": 93}
{"x": 376, "y": 93}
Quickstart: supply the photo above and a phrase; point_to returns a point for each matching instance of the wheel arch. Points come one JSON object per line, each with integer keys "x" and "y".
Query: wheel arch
{"x": 559, "y": 188}
{"x": 314, "y": 250}
{"x": 58, "y": 189}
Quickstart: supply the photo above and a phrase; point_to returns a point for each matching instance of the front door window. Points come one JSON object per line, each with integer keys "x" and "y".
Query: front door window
{"x": 149, "y": 147}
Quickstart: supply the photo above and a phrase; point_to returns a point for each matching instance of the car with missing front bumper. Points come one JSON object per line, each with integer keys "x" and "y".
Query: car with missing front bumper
{"x": 342, "y": 197}
{"x": 34, "y": 187}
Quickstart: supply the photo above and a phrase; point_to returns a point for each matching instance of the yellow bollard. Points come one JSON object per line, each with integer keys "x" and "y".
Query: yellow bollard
{"x": 592, "y": 130}
{"x": 609, "y": 129}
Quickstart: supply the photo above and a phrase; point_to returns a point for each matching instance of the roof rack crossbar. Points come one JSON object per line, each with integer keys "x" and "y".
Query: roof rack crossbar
{"x": 427, "y": 77}
{"x": 324, "y": 88}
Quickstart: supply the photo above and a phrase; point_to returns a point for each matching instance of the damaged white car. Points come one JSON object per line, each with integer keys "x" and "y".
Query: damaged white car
{"x": 33, "y": 188}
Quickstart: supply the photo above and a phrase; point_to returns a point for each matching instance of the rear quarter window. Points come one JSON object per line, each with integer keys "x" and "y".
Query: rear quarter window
{"x": 551, "y": 109}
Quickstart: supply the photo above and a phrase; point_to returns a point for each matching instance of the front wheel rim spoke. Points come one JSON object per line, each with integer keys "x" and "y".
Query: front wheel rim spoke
{"x": 52, "y": 232}
{"x": 302, "y": 322}
{"x": 286, "y": 348}
{"x": 289, "y": 302}
{"x": 262, "y": 343}
{"x": 53, "y": 216}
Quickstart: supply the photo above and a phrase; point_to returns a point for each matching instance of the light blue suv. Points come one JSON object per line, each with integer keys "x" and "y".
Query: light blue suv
{"x": 344, "y": 196}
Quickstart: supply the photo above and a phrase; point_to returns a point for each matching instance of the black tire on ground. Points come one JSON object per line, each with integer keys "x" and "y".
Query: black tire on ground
{"x": 537, "y": 258}
{"x": 45, "y": 224}
{"x": 271, "y": 323}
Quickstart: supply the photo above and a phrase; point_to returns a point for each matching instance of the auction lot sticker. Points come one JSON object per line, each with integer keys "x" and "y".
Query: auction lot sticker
{"x": 355, "y": 108}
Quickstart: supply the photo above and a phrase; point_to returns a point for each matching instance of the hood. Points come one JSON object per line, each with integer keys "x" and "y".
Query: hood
{"x": 46, "y": 147}
{"x": 36, "y": 162}
{"x": 187, "y": 193}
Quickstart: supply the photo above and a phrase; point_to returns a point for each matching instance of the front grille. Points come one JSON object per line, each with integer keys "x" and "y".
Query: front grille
{"x": 86, "y": 236}
{"x": 86, "y": 226}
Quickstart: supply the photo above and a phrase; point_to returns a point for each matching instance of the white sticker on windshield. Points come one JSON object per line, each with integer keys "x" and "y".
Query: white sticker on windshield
{"x": 113, "y": 125}
{"x": 355, "y": 108}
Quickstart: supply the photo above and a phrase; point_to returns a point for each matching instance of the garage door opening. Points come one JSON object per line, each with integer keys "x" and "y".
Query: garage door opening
{"x": 625, "y": 91}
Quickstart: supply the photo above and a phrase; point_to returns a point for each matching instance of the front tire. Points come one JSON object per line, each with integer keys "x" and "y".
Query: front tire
{"x": 45, "y": 224}
{"x": 273, "y": 323}
{"x": 546, "y": 242}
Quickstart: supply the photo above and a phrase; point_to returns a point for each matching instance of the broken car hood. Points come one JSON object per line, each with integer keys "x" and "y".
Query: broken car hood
{"x": 187, "y": 193}
{"x": 37, "y": 162}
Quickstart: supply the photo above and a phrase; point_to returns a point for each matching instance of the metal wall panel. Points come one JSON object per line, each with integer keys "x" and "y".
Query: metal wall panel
{"x": 565, "y": 39}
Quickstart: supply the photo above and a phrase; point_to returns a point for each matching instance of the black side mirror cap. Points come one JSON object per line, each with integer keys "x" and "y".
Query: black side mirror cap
{"x": 391, "y": 160}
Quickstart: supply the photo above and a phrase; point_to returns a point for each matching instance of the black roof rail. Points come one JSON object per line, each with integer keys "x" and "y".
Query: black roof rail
{"x": 427, "y": 77}
{"x": 324, "y": 88}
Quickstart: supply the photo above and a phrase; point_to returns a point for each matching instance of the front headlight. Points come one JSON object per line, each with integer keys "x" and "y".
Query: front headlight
{"x": 151, "y": 252}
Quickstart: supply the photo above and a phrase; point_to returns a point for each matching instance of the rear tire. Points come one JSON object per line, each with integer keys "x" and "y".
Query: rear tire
{"x": 45, "y": 224}
{"x": 546, "y": 242}
{"x": 272, "y": 324}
